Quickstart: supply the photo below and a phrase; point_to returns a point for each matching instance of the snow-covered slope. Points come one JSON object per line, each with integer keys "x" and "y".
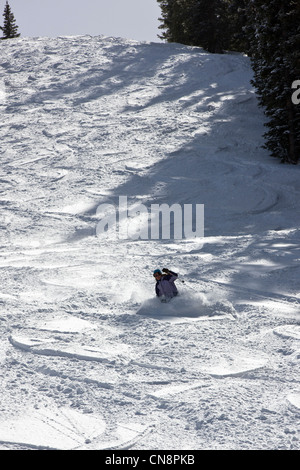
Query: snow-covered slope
{"x": 88, "y": 359}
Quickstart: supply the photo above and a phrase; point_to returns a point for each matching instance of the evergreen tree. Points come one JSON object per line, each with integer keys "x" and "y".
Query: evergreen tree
{"x": 209, "y": 25}
{"x": 175, "y": 18}
{"x": 204, "y": 23}
{"x": 238, "y": 25}
{"x": 10, "y": 30}
{"x": 275, "y": 60}
{"x": 165, "y": 19}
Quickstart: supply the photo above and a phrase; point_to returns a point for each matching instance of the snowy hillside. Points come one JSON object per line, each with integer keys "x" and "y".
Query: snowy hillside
{"x": 88, "y": 358}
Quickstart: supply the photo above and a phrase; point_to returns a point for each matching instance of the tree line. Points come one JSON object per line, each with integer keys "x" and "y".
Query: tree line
{"x": 268, "y": 31}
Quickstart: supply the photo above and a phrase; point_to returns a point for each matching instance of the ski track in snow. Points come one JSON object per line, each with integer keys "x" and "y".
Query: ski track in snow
{"x": 88, "y": 358}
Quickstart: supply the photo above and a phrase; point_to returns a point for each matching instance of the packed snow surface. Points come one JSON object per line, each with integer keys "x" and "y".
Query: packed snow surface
{"x": 89, "y": 358}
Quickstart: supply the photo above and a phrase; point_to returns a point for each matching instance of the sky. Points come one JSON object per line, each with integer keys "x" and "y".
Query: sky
{"x": 131, "y": 19}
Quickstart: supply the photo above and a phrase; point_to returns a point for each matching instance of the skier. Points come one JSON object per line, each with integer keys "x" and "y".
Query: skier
{"x": 165, "y": 284}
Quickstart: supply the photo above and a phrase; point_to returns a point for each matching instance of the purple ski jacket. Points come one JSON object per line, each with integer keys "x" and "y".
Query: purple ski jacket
{"x": 166, "y": 285}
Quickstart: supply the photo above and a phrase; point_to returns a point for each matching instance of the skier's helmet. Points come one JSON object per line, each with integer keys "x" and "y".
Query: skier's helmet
{"x": 156, "y": 271}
